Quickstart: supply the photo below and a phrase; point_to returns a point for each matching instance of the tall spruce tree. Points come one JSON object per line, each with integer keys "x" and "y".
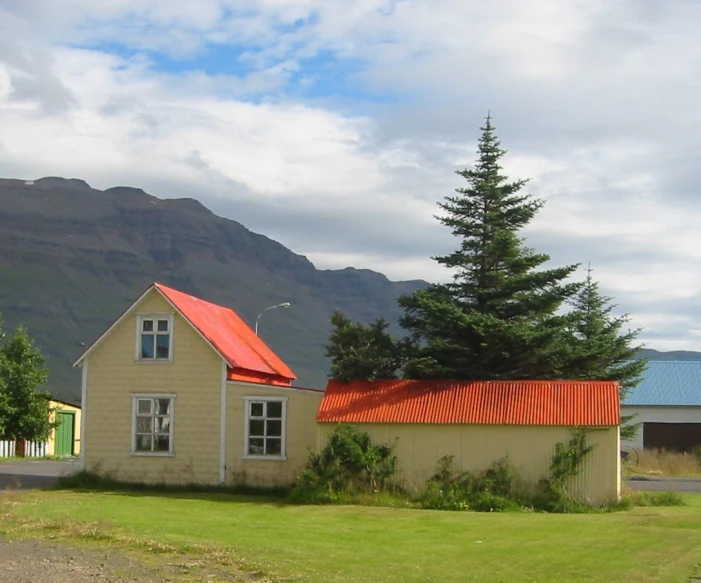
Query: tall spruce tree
{"x": 498, "y": 318}
{"x": 599, "y": 347}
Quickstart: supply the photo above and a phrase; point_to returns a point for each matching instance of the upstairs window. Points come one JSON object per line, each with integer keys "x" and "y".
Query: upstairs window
{"x": 155, "y": 338}
{"x": 265, "y": 427}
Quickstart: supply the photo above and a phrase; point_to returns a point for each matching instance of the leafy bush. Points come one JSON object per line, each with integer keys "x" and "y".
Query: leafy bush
{"x": 490, "y": 491}
{"x": 349, "y": 464}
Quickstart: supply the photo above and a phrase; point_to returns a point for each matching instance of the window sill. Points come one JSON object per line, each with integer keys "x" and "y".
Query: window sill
{"x": 153, "y": 360}
{"x": 151, "y": 454}
{"x": 266, "y": 458}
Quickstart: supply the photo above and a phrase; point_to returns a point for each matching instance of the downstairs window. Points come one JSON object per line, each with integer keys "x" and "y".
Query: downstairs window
{"x": 265, "y": 427}
{"x": 152, "y": 424}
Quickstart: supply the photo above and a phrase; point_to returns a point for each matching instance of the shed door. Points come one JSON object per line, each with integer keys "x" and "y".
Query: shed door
{"x": 65, "y": 433}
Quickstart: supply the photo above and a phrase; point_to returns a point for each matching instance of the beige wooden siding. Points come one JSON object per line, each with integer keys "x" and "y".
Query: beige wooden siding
{"x": 301, "y": 434}
{"x": 194, "y": 376}
{"x": 51, "y": 441}
{"x": 529, "y": 449}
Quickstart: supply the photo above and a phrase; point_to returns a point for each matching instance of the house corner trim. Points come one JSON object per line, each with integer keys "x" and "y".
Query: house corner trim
{"x": 83, "y": 413}
{"x": 222, "y": 426}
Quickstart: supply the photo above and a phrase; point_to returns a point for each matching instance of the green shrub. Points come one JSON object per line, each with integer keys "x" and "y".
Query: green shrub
{"x": 349, "y": 464}
{"x": 490, "y": 491}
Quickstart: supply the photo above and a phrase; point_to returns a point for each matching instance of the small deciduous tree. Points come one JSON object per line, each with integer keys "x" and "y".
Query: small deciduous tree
{"x": 363, "y": 352}
{"x": 24, "y": 409}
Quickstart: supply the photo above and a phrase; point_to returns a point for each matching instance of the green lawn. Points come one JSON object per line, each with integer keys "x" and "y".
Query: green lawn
{"x": 353, "y": 543}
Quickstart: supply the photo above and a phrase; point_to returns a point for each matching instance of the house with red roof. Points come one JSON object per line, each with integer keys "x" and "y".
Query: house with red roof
{"x": 179, "y": 390}
{"x": 479, "y": 423}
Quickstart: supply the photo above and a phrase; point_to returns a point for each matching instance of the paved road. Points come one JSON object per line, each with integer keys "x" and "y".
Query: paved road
{"x": 27, "y": 474}
{"x": 665, "y": 484}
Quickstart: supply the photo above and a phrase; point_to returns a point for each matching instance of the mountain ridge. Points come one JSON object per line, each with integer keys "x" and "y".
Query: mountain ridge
{"x": 72, "y": 258}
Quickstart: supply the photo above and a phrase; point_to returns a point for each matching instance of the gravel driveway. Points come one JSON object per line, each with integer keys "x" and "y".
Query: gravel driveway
{"x": 39, "y": 561}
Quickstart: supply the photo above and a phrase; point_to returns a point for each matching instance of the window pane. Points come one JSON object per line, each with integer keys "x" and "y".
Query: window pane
{"x": 163, "y": 325}
{"x": 274, "y": 428}
{"x": 273, "y": 446}
{"x": 255, "y": 446}
{"x": 275, "y": 409}
{"x": 146, "y": 346}
{"x": 163, "y": 406}
{"x": 144, "y": 425}
{"x": 147, "y": 325}
{"x": 143, "y": 443}
{"x": 256, "y": 427}
{"x": 144, "y": 406}
{"x": 161, "y": 425}
{"x": 161, "y": 443}
{"x": 162, "y": 346}
{"x": 256, "y": 409}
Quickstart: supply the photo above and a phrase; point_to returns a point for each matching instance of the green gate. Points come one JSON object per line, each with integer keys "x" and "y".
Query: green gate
{"x": 65, "y": 433}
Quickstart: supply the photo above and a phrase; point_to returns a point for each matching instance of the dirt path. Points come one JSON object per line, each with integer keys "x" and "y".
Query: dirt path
{"x": 38, "y": 561}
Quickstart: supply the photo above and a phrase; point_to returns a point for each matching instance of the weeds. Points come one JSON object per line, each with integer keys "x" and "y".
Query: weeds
{"x": 492, "y": 490}
{"x": 657, "y": 462}
{"x": 631, "y": 498}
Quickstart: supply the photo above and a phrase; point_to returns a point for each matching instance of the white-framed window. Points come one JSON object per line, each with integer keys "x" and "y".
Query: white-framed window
{"x": 265, "y": 426}
{"x": 154, "y": 338}
{"x": 152, "y": 424}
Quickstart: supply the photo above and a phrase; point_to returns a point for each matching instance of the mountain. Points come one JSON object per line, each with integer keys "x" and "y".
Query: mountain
{"x": 72, "y": 258}
{"x": 651, "y": 354}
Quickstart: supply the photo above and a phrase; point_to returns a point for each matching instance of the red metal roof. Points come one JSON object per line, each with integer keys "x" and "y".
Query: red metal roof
{"x": 569, "y": 403}
{"x": 248, "y": 356}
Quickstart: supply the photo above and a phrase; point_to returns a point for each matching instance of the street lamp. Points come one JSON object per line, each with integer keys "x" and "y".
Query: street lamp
{"x": 282, "y": 305}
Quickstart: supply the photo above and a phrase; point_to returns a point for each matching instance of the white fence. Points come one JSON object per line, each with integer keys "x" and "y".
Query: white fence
{"x": 31, "y": 449}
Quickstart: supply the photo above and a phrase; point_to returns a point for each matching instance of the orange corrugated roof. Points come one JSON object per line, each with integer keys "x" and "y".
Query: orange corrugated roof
{"x": 248, "y": 356}
{"x": 569, "y": 403}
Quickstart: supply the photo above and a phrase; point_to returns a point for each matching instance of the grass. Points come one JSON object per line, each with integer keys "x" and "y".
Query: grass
{"x": 386, "y": 545}
{"x": 655, "y": 462}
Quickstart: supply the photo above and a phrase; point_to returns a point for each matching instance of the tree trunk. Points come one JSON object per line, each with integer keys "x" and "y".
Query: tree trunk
{"x": 20, "y": 447}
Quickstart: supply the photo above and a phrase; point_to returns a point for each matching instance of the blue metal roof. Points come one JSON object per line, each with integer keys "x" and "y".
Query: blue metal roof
{"x": 671, "y": 383}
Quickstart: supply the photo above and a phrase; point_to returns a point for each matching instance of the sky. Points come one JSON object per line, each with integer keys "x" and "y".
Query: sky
{"x": 335, "y": 127}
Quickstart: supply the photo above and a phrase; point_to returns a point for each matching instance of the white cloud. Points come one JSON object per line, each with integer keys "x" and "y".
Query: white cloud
{"x": 596, "y": 101}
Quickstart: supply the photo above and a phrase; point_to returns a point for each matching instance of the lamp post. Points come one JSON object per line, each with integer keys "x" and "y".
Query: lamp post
{"x": 282, "y": 305}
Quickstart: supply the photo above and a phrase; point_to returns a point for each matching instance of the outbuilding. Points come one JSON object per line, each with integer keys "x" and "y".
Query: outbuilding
{"x": 667, "y": 405}
{"x": 479, "y": 423}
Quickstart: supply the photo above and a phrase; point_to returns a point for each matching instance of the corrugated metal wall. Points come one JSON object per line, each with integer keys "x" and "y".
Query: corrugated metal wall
{"x": 529, "y": 449}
